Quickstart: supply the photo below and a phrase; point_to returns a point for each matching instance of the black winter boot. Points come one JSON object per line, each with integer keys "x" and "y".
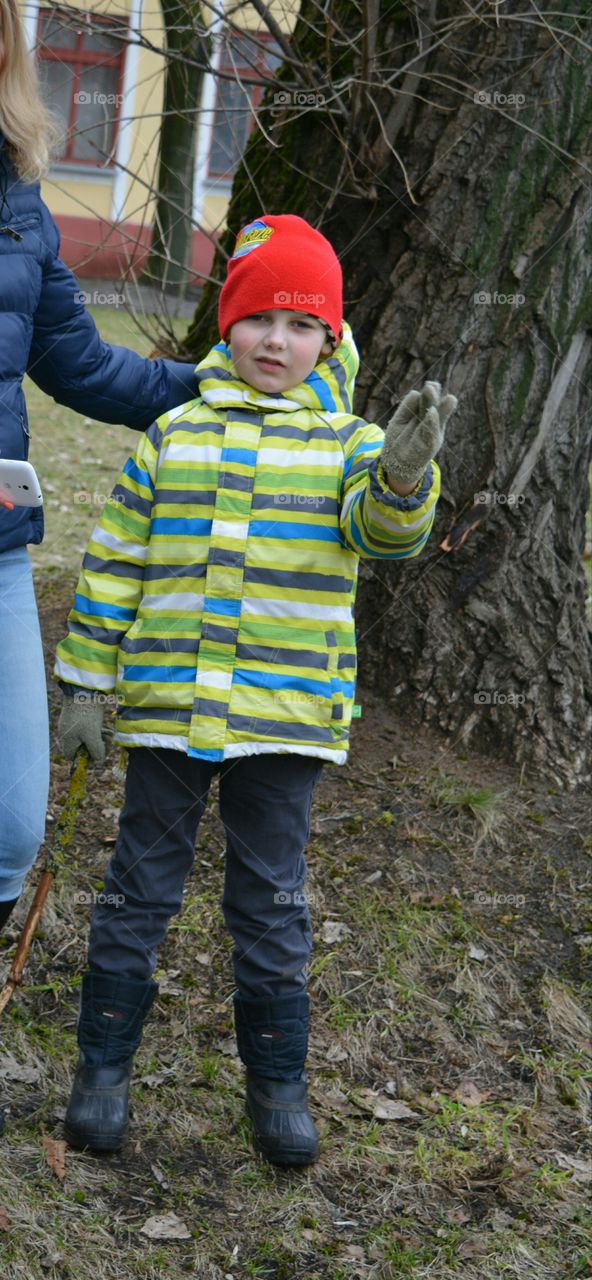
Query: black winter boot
{"x": 272, "y": 1038}
{"x": 112, "y": 1014}
{"x": 5, "y": 910}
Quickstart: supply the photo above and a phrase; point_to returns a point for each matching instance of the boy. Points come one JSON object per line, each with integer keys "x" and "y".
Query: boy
{"x": 216, "y": 597}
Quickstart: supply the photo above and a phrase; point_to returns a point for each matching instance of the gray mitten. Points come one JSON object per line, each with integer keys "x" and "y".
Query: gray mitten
{"x": 416, "y": 432}
{"x": 79, "y": 725}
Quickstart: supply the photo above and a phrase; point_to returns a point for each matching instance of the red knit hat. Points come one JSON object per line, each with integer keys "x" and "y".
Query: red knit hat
{"x": 281, "y": 263}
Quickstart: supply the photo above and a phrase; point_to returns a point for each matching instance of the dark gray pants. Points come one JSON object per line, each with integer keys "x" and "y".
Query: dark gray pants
{"x": 265, "y": 804}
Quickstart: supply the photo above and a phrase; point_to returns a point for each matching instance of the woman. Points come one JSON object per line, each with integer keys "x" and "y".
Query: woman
{"x": 45, "y": 332}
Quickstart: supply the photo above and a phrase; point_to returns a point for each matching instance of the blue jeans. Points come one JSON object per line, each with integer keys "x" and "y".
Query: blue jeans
{"x": 24, "y": 727}
{"x": 265, "y": 804}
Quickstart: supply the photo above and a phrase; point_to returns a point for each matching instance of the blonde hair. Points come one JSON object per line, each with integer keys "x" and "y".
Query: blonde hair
{"x": 27, "y": 126}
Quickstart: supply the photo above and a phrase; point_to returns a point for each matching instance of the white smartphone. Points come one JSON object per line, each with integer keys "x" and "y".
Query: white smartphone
{"x": 19, "y": 484}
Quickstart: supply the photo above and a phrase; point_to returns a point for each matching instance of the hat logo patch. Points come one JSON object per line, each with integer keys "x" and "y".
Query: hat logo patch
{"x": 251, "y": 237}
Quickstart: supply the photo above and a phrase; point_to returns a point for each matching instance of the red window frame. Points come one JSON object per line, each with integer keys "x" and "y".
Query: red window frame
{"x": 257, "y": 40}
{"x": 77, "y": 58}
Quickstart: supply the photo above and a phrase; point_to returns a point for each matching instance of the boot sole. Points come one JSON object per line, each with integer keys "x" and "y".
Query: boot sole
{"x": 297, "y": 1156}
{"x": 95, "y": 1142}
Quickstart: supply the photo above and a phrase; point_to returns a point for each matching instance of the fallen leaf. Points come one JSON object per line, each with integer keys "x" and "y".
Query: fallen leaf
{"x": 384, "y": 1108}
{"x": 470, "y": 1095}
{"x": 473, "y": 1247}
{"x": 227, "y": 1047}
{"x": 581, "y": 1169}
{"x": 202, "y": 957}
{"x": 55, "y": 1156}
{"x": 476, "y": 953}
{"x": 334, "y": 931}
{"x": 4, "y": 1221}
{"x": 165, "y": 1227}
{"x": 154, "y": 1078}
{"x": 10, "y": 1069}
{"x": 335, "y": 1053}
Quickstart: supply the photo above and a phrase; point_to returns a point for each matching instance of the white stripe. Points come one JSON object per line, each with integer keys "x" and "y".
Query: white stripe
{"x": 288, "y": 457}
{"x": 176, "y": 600}
{"x": 236, "y": 749}
{"x": 215, "y": 679}
{"x": 110, "y": 540}
{"x": 191, "y": 452}
{"x": 230, "y": 529}
{"x": 295, "y": 609}
{"x": 233, "y": 395}
{"x": 88, "y": 679}
{"x": 178, "y": 743}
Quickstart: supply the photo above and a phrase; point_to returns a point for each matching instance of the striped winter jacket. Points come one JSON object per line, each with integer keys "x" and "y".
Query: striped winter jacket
{"x": 217, "y": 590}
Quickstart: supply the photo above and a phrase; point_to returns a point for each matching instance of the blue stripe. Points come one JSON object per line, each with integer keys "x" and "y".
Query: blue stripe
{"x": 267, "y": 680}
{"x": 320, "y": 388}
{"x": 160, "y": 675}
{"x": 290, "y": 529}
{"x": 182, "y": 525}
{"x": 231, "y": 608}
{"x": 370, "y": 448}
{"x": 96, "y": 610}
{"x": 132, "y": 470}
{"x": 205, "y": 753}
{"x": 246, "y": 456}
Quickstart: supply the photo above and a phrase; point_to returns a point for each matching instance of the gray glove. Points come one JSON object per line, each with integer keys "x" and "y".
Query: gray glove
{"x": 416, "y": 432}
{"x": 79, "y": 725}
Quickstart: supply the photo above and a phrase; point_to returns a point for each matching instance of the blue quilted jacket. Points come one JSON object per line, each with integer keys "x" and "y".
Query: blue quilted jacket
{"x": 46, "y": 332}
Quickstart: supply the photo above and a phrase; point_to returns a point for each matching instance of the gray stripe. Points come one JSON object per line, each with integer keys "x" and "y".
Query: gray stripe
{"x": 131, "y": 501}
{"x": 346, "y": 660}
{"x": 290, "y": 432}
{"x": 349, "y": 428}
{"x": 310, "y": 504}
{"x": 244, "y": 415}
{"x": 212, "y": 632}
{"x": 239, "y": 483}
{"x": 207, "y": 707}
{"x": 191, "y": 497}
{"x": 304, "y": 581}
{"x": 225, "y": 557}
{"x": 164, "y": 572}
{"x": 286, "y": 657}
{"x": 96, "y": 633}
{"x": 154, "y": 713}
{"x": 171, "y": 645}
{"x": 114, "y": 567}
{"x": 279, "y": 729}
{"x": 339, "y": 374}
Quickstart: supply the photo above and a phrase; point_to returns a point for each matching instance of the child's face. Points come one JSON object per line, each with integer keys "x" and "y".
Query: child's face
{"x": 275, "y": 350}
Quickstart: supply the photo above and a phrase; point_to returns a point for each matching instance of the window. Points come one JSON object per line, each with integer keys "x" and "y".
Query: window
{"x": 80, "y": 69}
{"x": 243, "y": 58}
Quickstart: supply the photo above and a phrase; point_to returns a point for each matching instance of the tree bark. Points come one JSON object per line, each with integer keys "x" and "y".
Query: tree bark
{"x": 467, "y": 258}
{"x": 169, "y": 258}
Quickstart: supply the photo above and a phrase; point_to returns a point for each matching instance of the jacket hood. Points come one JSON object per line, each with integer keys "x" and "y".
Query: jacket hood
{"x": 330, "y": 386}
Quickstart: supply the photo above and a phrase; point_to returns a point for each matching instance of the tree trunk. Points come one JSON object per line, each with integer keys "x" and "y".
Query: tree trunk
{"x": 170, "y": 252}
{"x": 479, "y": 278}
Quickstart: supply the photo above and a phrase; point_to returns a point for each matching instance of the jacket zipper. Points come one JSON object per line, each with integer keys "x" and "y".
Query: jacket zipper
{"x": 9, "y": 231}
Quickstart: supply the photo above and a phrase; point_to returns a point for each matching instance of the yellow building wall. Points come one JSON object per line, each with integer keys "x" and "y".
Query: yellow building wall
{"x": 81, "y": 196}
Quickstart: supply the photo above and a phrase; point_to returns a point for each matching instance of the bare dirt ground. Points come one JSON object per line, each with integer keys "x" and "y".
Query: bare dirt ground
{"x": 450, "y": 1055}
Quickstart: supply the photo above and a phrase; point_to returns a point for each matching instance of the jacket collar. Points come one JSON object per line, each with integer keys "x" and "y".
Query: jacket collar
{"x": 329, "y": 387}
